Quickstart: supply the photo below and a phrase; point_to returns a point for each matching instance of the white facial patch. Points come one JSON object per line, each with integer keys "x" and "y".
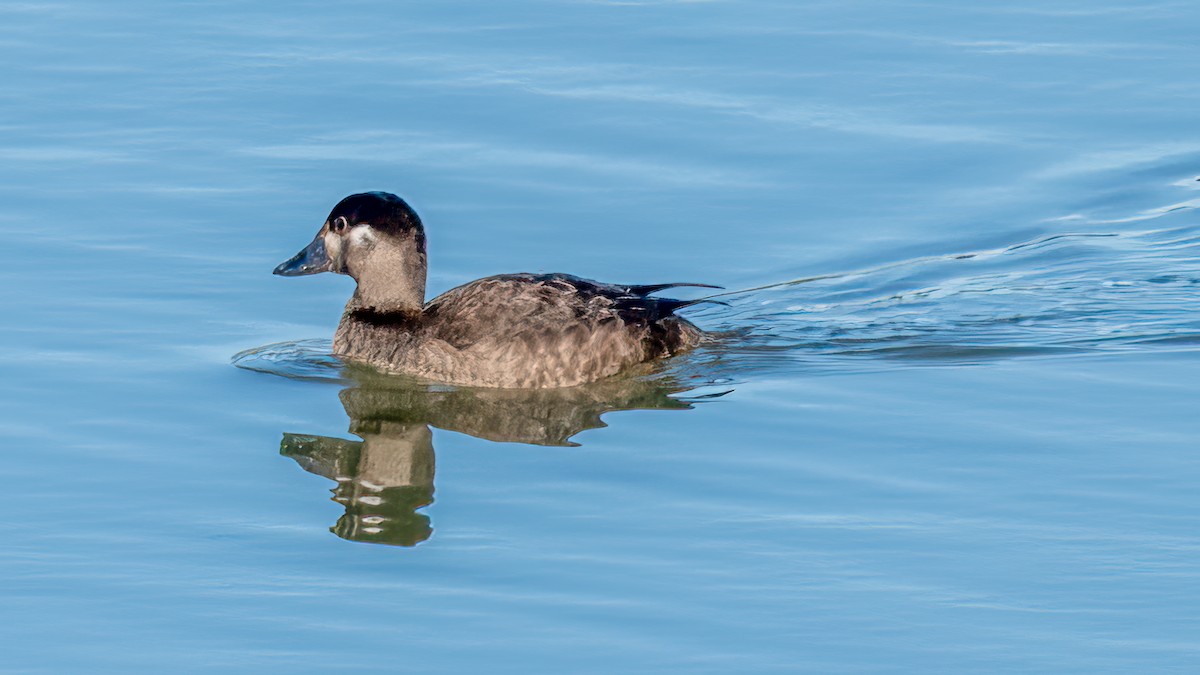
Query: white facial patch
{"x": 360, "y": 238}
{"x": 363, "y": 236}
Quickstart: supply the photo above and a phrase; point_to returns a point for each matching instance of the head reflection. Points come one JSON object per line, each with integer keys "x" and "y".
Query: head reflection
{"x": 385, "y": 478}
{"x": 381, "y": 480}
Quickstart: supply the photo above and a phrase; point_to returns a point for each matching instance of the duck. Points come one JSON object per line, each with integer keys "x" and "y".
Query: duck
{"x": 507, "y": 331}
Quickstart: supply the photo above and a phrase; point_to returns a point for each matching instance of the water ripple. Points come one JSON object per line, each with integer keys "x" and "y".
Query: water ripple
{"x": 311, "y": 359}
{"x": 1063, "y": 293}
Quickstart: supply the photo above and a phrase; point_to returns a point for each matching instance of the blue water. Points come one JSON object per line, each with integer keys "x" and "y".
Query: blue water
{"x": 948, "y": 424}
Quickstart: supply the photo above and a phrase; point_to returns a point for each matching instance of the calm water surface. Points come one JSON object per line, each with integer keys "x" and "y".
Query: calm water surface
{"x": 949, "y": 424}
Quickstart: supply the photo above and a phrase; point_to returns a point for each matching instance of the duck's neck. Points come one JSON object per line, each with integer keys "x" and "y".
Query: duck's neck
{"x": 397, "y": 290}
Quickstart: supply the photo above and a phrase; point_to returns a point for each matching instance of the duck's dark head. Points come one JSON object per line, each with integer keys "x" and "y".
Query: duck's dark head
{"x": 376, "y": 238}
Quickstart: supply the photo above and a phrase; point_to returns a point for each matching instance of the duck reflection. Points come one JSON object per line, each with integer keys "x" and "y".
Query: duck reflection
{"x": 381, "y": 480}
{"x": 386, "y": 477}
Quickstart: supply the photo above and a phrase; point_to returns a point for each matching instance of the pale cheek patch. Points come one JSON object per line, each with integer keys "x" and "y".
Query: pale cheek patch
{"x": 363, "y": 236}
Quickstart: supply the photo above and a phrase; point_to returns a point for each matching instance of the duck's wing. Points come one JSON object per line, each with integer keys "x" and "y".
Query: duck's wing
{"x": 501, "y": 307}
{"x": 554, "y": 329}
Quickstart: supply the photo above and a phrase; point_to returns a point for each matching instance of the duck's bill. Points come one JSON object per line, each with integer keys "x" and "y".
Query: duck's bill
{"x": 312, "y": 260}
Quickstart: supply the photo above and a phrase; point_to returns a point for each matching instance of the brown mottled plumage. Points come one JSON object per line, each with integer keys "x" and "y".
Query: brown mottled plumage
{"x": 516, "y": 330}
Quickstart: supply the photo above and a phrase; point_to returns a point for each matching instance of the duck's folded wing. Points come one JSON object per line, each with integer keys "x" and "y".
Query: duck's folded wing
{"x": 504, "y": 308}
{"x": 555, "y": 330}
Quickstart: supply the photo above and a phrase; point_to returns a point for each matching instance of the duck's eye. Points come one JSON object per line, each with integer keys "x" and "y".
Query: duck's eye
{"x": 339, "y": 224}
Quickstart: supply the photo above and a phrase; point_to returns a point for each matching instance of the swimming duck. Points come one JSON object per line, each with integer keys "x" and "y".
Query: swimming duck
{"x": 511, "y": 330}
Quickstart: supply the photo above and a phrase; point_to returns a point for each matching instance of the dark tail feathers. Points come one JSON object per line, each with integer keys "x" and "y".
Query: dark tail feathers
{"x": 667, "y": 306}
{"x": 647, "y": 289}
{"x": 635, "y": 303}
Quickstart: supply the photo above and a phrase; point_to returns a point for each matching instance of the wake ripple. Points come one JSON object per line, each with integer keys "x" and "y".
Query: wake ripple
{"x": 1066, "y": 293}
